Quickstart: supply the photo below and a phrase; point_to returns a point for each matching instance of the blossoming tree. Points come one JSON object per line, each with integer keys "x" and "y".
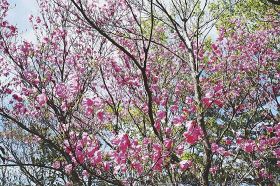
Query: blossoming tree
{"x": 133, "y": 92}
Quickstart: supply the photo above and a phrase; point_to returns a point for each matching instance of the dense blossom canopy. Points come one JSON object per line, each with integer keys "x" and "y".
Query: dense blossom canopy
{"x": 135, "y": 92}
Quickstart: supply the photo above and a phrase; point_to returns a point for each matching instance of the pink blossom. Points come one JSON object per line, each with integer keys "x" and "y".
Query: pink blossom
{"x": 38, "y": 20}
{"x": 269, "y": 129}
{"x": 56, "y": 165}
{"x": 257, "y": 163}
{"x": 179, "y": 150}
{"x": 218, "y": 88}
{"x": 17, "y": 97}
{"x": 8, "y": 91}
{"x": 137, "y": 166}
{"x": 207, "y": 102}
{"x": 228, "y": 141}
{"x": 68, "y": 183}
{"x": 107, "y": 166}
{"x": 193, "y": 134}
{"x": 168, "y": 144}
{"x": 225, "y": 153}
{"x": 124, "y": 142}
{"x": 157, "y": 125}
{"x": 219, "y": 103}
{"x": 168, "y": 131}
{"x": 239, "y": 140}
{"x": 97, "y": 158}
{"x": 68, "y": 168}
{"x": 189, "y": 100}
{"x": 80, "y": 157}
{"x": 157, "y": 148}
{"x": 89, "y": 111}
{"x": 178, "y": 120}
{"x": 214, "y": 147}
{"x": 88, "y": 102}
{"x": 173, "y": 108}
{"x": 42, "y": 99}
{"x": 248, "y": 147}
{"x": 100, "y": 115}
{"x": 191, "y": 138}
{"x": 185, "y": 164}
{"x": 213, "y": 170}
{"x": 91, "y": 151}
{"x": 161, "y": 114}
{"x": 158, "y": 165}
{"x": 61, "y": 90}
{"x": 64, "y": 106}
{"x": 276, "y": 153}
{"x": 85, "y": 173}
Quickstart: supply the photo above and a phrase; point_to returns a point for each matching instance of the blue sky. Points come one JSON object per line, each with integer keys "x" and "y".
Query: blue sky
{"x": 19, "y": 14}
{"x": 21, "y": 9}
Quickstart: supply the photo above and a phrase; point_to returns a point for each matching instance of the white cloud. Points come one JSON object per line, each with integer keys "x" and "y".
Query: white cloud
{"x": 19, "y": 14}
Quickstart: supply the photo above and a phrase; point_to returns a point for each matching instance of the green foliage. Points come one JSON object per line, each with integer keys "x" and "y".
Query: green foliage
{"x": 254, "y": 12}
{"x": 157, "y": 24}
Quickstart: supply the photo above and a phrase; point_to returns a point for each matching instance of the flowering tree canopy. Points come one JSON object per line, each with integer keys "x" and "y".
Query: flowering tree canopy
{"x": 128, "y": 92}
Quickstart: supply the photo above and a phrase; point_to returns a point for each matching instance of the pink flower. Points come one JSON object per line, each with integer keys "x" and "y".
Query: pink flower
{"x": 189, "y": 100}
{"x": 85, "y": 173}
{"x": 219, "y": 103}
{"x": 157, "y": 125}
{"x": 100, "y": 115}
{"x": 17, "y": 97}
{"x": 8, "y": 91}
{"x": 161, "y": 114}
{"x": 193, "y": 133}
{"x": 42, "y": 99}
{"x": 257, "y": 163}
{"x": 88, "y": 102}
{"x": 207, "y": 102}
{"x": 67, "y": 147}
{"x": 214, "y": 47}
{"x": 213, "y": 170}
{"x": 168, "y": 144}
{"x": 225, "y": 153}
{"x": 158, "y": 165}
{"x": 97, "y": 158}
{"x": 68, "y": 168}
{"x": 276, "y": 153}
{"x": 124, "y": 143}
{"x": 80, "y": 158}
{"x": 89, "y": 111}
{"x": 178, "y": 120}
{"x": 157, "y": 148}
{"x": 64, "y": 106}
{"x": 269, "y": 129}
{"x": 167, "y": 131}
{"x": 56, "y": 165}
{"x": 173, "y": 108}
{"x": 239, "y": 140}
{"x": 137, "y": 166}
{"x": 179, "y": 150}
{"x": 218, "y": 88}
{"x": 248, "y": 147}
{"x": 214, "y": 147}
{"x": 191, "y": 138}
{"x": 106, "y": 166}
{"x": 91, "y": 150}
{"x": 38, "y": 20}
{"x": 68, "y": 183}
{"x": 61, "y": 90}
{"x": 185, "y": 164}
{"x": 228, "y": 141}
